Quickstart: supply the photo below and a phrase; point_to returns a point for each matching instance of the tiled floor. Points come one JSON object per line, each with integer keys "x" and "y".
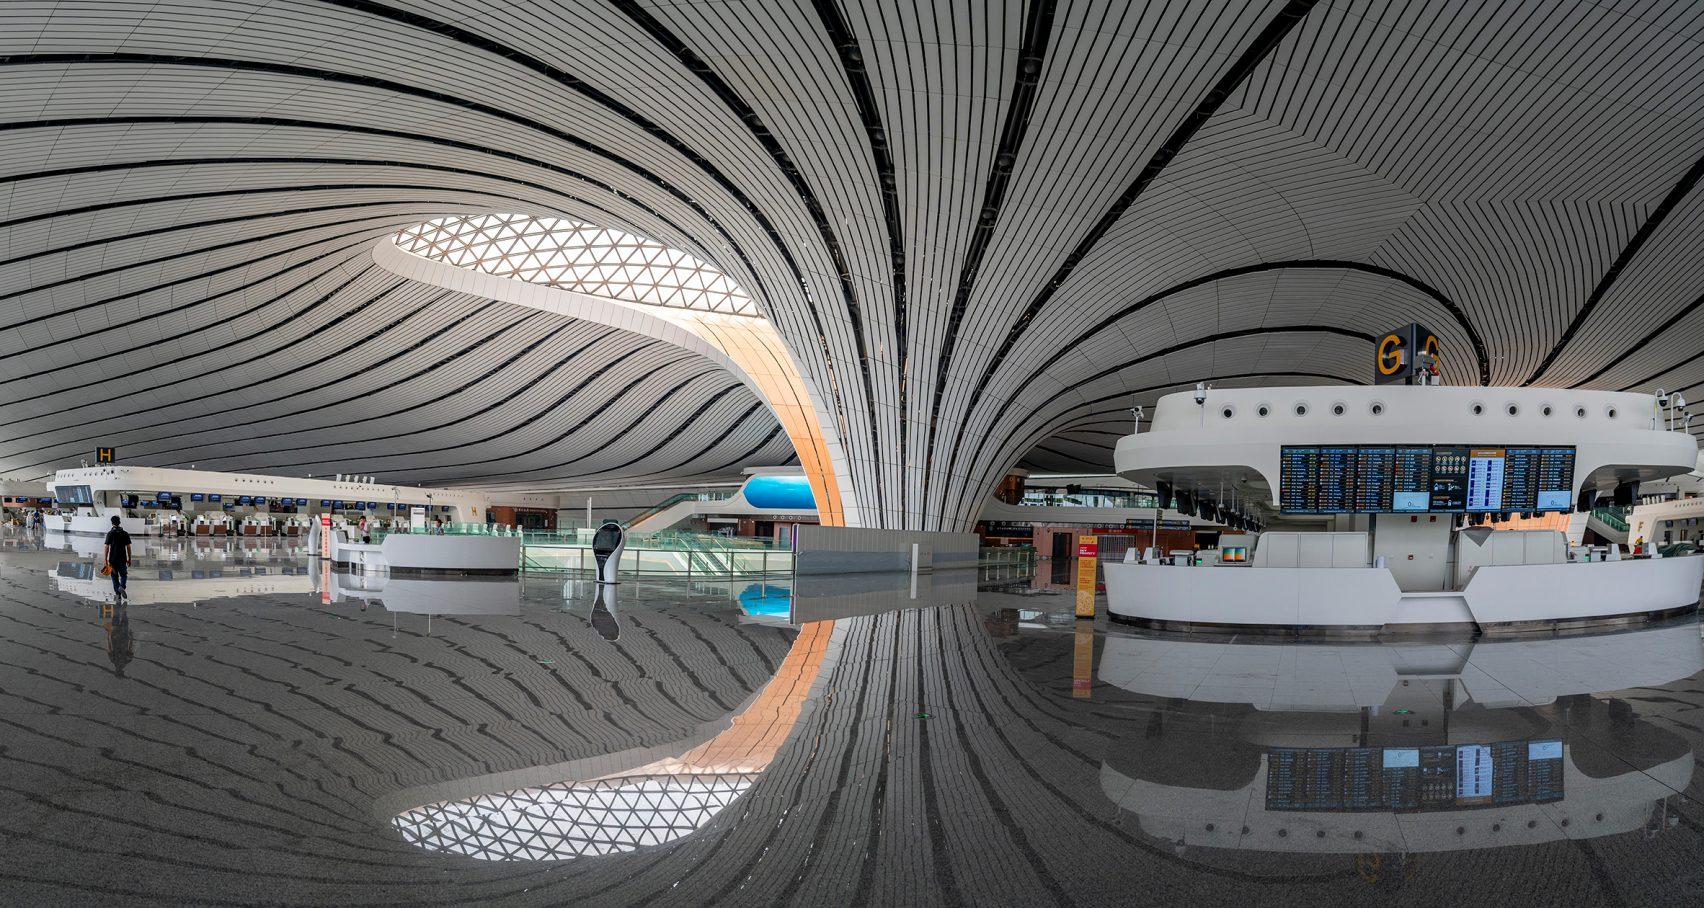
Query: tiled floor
{"x": 240, "y": 732}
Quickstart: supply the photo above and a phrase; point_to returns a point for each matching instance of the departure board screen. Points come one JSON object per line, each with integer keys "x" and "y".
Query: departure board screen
{"x": 1443, "y": 777}
{"x": 1375, "y": 477}
{"x": 1419, "y": 479}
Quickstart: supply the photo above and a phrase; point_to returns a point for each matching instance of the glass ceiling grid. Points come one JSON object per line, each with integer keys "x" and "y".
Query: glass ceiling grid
{"x": 573, "y": 255}
{"x": 568, "y": 820}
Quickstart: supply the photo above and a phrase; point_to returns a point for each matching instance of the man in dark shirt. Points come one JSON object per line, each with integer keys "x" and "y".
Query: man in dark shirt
{"x": 117, "y": 555}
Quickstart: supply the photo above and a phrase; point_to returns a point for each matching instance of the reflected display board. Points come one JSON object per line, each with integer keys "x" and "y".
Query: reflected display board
{"x": 1420, "y": 479}
{"x": 1445, "y": 777}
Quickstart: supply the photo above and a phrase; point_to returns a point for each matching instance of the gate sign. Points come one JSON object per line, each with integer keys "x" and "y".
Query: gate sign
{"x": 106, "y": 455}
{"x": 1396, "y": 360}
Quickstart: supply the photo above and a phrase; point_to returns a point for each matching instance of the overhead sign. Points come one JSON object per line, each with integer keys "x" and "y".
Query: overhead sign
{"x": 1396, "y": 359}
{"x": 106, "y": 455}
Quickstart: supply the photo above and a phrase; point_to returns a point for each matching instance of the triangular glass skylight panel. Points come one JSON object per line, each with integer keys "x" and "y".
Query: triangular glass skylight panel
{"x": 576, "y": 256}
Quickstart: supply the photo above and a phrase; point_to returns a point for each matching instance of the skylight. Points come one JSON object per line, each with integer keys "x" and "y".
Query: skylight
{"x": 572, "y": 255}
{"x": 573, "y": 819}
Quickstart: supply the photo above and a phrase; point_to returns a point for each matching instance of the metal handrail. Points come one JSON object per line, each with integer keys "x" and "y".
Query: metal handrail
{"x": 677, "y": 498}
{"x": 1615, "y": 517}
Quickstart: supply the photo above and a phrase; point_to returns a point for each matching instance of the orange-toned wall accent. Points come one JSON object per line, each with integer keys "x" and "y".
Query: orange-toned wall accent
{"x": 1557, "y": 522}
{"x": 751, "y": 741}
{"x": 756, "y": 348}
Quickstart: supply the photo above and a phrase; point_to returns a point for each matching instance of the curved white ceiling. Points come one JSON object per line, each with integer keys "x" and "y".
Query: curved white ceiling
{"x": 983, "y": 234}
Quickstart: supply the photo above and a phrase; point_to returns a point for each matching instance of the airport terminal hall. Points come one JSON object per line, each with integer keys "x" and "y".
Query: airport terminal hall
{"x": 851, "y": 452}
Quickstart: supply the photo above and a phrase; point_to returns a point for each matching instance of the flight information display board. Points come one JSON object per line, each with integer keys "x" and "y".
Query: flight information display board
{"x": 1419, "y": 479}
{"x": 1444, "y": 777}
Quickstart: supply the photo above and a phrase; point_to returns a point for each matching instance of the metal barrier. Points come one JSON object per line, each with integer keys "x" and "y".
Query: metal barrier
{"x": 1005, "y": 564}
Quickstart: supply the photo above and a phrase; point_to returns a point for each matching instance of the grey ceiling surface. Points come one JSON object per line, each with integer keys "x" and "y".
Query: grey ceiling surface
{"x": 984, "y": 230}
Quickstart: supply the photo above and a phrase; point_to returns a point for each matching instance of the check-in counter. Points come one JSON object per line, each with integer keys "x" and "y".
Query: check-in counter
{"x": 99, "y": 524}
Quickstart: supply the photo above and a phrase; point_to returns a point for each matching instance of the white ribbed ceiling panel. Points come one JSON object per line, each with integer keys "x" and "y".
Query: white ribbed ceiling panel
{"x": 984, "y": 231}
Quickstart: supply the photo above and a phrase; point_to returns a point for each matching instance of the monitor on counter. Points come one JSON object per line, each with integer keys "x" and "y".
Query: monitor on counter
{"x": 301, "y": 502}
{"x": 215, "y": 497}
{"x": 1420, "y": 479}
{"x": 72, "y": 495}
{"x": 197, "y": 496}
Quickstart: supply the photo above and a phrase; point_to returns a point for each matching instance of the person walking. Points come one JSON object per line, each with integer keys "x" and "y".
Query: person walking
{"x": 117, "y": 554}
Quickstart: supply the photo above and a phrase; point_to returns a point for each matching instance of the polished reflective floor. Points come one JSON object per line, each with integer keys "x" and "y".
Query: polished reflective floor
{"x": 247, "y": 728}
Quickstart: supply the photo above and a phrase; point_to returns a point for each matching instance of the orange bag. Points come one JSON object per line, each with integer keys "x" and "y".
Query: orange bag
{"x": 106, "y": 569}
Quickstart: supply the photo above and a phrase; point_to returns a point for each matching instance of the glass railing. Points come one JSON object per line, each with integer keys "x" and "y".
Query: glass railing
{"x": 1089, "y": 499}
{"x": 672, "y": 500}
{"x": 683, "y": 555}
{"x": 686, "y": 555}
{"x": 1615, "y": 517}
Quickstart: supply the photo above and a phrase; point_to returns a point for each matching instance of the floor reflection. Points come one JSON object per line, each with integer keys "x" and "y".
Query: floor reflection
{"x": 281, "y": 736}
{"x": 1397, "y": 749}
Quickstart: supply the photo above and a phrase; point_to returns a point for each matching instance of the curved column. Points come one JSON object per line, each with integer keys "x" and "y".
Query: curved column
{"x": 748, "y": 347}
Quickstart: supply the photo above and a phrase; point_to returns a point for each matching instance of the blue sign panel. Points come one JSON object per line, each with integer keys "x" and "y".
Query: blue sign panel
{"x": 780, "y": 492}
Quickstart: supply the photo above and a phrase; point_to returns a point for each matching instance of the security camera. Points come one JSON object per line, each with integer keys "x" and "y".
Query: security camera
{"x": 1662, "y": 399}
{"x": 1201, "y": 393}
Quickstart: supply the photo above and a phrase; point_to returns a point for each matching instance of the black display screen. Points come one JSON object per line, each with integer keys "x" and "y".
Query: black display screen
{"x": 1418, "y": 479}
{"x": 1445, "y": 777}
{"x": 73, "y": 495}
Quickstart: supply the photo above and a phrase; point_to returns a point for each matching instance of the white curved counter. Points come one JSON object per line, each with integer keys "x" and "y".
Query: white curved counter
{"x": 426, "y": 553}
{"x": 1497, "y": 597}
{"x": 98, "y": 525}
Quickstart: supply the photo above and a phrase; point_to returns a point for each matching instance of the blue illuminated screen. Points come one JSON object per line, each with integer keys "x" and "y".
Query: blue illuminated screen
{"x": 781, "y": 492}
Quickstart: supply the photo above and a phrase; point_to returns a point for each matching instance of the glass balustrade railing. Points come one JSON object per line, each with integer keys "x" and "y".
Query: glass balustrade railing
{"x": 675, "y": 553}
{"x": 672, "y": 500}
{"x": 1615, "y": 517}
{"x": 1044, "y": 498}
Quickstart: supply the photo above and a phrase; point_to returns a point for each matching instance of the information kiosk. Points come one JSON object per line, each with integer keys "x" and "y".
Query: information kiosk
{"x": 607, "y": 545}
{"x": 1374, "y": 509}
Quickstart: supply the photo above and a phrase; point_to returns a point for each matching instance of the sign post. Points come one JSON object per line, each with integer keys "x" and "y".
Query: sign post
{"x": 325, "y": 558}
{"x": 1088, "y": 561}
{"x": 1405, "y": 356}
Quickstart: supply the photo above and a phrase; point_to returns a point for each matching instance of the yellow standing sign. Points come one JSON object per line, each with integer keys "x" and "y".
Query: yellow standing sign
{"x": 1088, "y": 560}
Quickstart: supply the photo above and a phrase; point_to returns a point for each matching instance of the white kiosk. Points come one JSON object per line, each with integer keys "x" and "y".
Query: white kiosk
{"x": 1375, "y": 509}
